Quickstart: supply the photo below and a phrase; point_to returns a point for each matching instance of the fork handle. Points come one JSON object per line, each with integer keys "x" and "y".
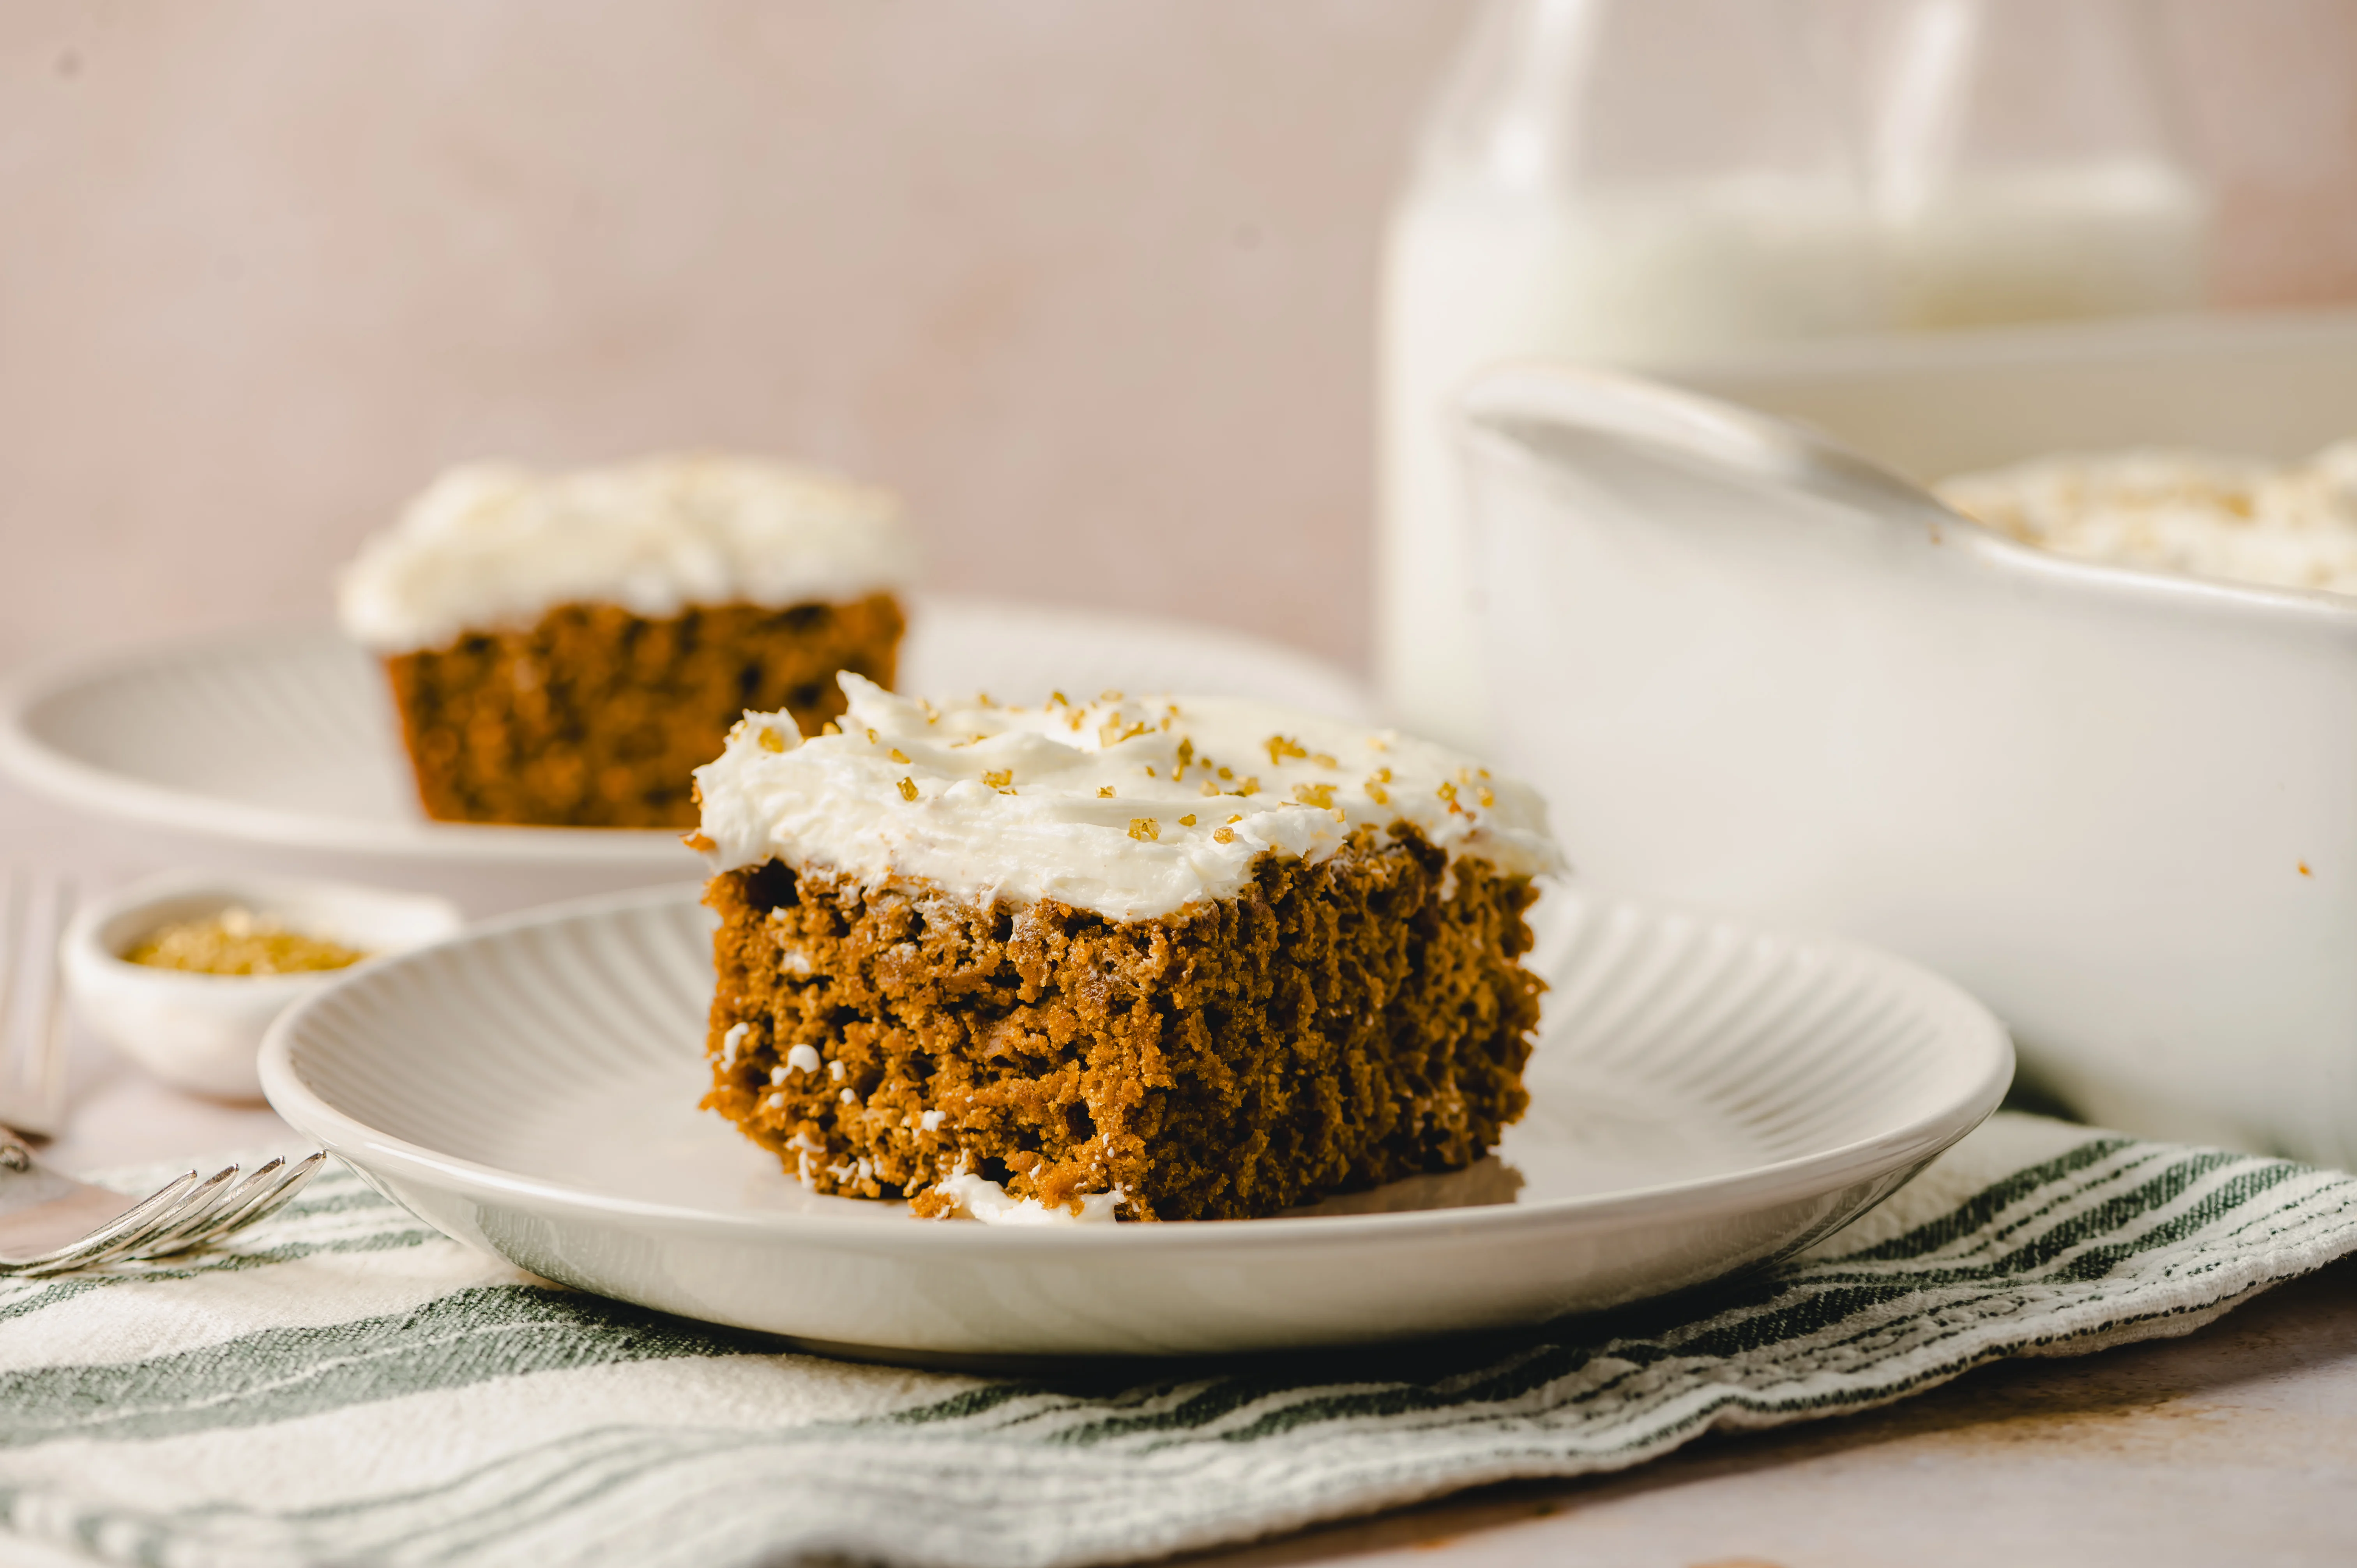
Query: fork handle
{"x": 15, "y": 1154}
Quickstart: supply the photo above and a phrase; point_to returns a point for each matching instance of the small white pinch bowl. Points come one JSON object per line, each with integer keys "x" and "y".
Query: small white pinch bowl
{"x": 202, "y": 1031}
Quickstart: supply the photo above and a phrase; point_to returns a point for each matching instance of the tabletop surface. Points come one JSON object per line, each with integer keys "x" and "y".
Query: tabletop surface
{"x": 2235, "y": 1443}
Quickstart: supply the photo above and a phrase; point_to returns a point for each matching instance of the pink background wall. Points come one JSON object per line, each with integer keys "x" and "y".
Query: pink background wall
{"x": 1090, "y": 281}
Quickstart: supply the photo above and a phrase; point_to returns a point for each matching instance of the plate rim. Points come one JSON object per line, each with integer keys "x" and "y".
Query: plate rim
{"x": 46, "y": 769}
{"x": 1796, "y": 1178}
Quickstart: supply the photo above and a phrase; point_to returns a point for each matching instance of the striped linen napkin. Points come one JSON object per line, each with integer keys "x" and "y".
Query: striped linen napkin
{"x": 343, "y": 1385}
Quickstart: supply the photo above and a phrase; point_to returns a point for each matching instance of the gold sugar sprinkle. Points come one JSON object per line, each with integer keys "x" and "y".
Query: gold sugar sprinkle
{"x": 1249, "y": 787}
{"x": 238, "y": 941}
{"x": 999, "y": 779}
{"x": 770, "y": 740}
{"x": 1210, "y": 791}
{"x": 1108, "y": 695}
{"x": 907, "y": 789}
{"x": 1322, "y": 760}
{"x": 1149, "y": 770}
{"x": 1319, "y": 795}
{"x": 1237, "y": 818}
{"x": 1488, "y": 798}
{"x": 1382, "y": 775}
{"x": 1110, "y": 732}
{"x": 1227, "y": 773}
{"x": 830, "y": 727}
{"x": 895, "y": 756}
{"x": 1059, "y": 700}
{"x": 1375, "y": 792}
{"x": 1145, "y": 828}
{"x": 1280, "y": 748}
{"x": 1104, "y": 792}
{"x": 871, "y": 737}
{"x": 1223, "y": 835}
{"x": 1188, "y": 821}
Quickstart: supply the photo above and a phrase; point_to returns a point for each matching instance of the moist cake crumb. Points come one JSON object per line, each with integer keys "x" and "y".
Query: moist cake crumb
{"x": 1335, "y": 1026}
{"x": 596, "y": 717}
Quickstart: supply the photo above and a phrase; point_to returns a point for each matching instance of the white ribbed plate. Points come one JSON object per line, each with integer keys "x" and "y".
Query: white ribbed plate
{"x": 1704, "y": 1097}
{"x": 287, "y": 738}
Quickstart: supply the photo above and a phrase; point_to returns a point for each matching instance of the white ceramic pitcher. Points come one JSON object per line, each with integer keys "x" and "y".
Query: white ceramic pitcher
{"x": 1752, "y": 671}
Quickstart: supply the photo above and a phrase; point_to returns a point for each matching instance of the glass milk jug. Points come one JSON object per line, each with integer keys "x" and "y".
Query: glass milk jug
{"x": 1629, "y": 181}
{"x": 2025, "y": 157}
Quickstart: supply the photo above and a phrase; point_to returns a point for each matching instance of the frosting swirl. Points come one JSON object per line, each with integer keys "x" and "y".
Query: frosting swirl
{"x": 1128, "y": 807}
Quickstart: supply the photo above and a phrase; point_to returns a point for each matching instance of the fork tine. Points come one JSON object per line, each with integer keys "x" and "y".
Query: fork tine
{"x": 144, "y": 1218}
{"x": 287, "y": 1184}
{"x": 194, "y": 1203}
{"x": 210, "y": 1199}
{"x": 224, "y": 1217}
{"x": 297, "y": 1178}
{"x": 273, "y": 1184}
{"x": 259, "y": 1196}
{"x": 185, "y": 1213}
{"x": 250, "y": 1190}
{"x": 82, "y": 1254}
{"x": 64, "y": 1260}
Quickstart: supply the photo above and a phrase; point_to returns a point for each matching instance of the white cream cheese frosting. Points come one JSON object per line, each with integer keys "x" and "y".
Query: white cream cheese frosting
{"x": 2197, "y": 513}
{"x": 1128, "y": 807}
{"x": 978, "y": 1197}
{"x": 494, "y": 545}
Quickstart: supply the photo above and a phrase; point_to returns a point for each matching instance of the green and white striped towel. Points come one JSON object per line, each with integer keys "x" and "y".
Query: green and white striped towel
{"x": 343, "y": 1385}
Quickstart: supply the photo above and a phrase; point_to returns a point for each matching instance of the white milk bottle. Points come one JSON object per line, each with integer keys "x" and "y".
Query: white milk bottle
{"x": 2025, "y": 157}
{"x": 1628, "y": 181}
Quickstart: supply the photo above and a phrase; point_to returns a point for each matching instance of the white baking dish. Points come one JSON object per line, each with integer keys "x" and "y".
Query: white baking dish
{"x": 1752, "y": 671}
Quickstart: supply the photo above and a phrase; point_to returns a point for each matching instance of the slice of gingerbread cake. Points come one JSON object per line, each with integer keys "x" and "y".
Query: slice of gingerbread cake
{"x": 1144, "y": 959}
{"x": 566, "y": 648}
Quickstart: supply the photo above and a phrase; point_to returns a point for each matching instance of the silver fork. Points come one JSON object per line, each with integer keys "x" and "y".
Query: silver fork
{"x": 50, "y": 1223}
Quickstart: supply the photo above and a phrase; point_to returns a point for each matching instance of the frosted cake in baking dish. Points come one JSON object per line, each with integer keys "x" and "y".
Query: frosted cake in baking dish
{"x": 1146, "y": 958}
{"x": 566, "y": 648}
{"x": 2198, "y": 512}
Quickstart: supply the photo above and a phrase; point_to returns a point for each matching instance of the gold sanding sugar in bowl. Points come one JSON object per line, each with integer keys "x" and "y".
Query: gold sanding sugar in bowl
{"x": 239, "y": 942}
